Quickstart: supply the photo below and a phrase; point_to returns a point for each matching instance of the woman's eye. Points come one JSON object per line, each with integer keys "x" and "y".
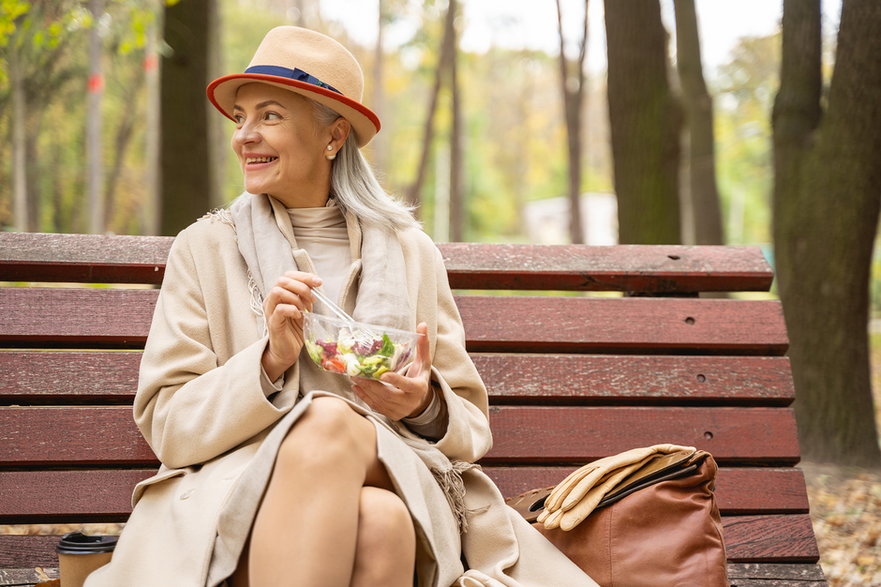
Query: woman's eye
{"x": 239, "y": 118}
{"x": 272, "y": 116}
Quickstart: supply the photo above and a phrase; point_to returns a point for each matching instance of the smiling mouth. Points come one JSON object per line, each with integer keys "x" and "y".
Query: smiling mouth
{"x": 250, "y": 160}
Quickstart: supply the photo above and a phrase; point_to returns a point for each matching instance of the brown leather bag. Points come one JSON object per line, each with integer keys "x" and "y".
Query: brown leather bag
{"x": 658, "y": 526}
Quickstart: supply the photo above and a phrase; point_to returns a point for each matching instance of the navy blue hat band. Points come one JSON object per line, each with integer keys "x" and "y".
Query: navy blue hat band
{"x": 294, "y": 74}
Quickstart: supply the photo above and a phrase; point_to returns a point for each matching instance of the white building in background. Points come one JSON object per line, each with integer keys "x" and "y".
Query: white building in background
{"x": 547, "y": 221}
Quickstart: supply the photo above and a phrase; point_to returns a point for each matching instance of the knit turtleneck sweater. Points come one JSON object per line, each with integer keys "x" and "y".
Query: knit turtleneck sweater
{"x": 322, "y": 233}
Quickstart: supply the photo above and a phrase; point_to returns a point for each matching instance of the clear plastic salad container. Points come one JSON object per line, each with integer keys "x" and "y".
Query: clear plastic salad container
{"x": 355, "y": 348}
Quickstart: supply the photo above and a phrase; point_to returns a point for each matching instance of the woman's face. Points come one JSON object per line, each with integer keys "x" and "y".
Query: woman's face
{"x": 281, "y": 147}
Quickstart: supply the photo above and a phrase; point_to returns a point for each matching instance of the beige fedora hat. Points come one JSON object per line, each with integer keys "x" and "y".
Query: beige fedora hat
{"x": 308, "y": 63}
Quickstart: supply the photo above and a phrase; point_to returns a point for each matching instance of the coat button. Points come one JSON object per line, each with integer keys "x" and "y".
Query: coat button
{"x": 186, "y": 494}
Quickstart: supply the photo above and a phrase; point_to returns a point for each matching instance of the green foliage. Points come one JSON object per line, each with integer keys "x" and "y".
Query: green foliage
{"x": 10, "y": 12}
{"x": 31, "y": 30}
{"x": 140, "y": 22}
{"x": 49, "y": 44}
{"x": 745, "y": 89}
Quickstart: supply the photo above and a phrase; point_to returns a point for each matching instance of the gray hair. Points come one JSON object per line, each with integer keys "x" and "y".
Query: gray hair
{"x": 356, "y": 188}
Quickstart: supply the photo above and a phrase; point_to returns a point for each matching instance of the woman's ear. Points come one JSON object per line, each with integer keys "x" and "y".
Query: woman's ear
{"x": 339, "y": 131}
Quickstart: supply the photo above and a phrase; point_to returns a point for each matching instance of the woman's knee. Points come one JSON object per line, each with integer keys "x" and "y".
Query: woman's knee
{"x": 329, "y": 431}
{"x": 384, "y": 525}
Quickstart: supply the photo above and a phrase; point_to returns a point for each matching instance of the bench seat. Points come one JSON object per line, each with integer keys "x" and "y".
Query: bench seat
{"x": 655, "y": 355}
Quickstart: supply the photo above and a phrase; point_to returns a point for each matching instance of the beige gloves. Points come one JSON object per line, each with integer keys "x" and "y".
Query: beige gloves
{"x": 574, "y": 498}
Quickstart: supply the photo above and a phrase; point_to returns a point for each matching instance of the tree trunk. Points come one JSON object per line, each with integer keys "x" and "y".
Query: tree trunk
{"x": 218, "y": 144}
{"x": 572, "y": 88}
{"x": 94, "y": 147}
{"x": 796, "y": 113}
{"x": 379, "y": 145}
{"x": 644, "y": 124}
{"x": 698, "y": 106}
{"x": 152, "y": 132}
{"x": 56, "y": 189}
{"x": 457, "y": 177}
{"x": 187, "y": 176}
{"x": 20, "y": 215}
{"x": 414, "y": 194}
{"x": 34, "y": 171}
{"x": 827, "y": 197}
{"x": 129, "y": 118}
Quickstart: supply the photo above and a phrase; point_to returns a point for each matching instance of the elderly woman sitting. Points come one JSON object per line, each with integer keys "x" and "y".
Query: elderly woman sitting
{"x": 275, "y": 471}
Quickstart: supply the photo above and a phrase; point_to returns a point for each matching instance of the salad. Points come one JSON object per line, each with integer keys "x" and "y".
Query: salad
{"x": 360, "y": 354}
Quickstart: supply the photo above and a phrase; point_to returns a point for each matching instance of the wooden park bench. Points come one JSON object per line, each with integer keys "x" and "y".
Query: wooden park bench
{"x": 572, "y": 377}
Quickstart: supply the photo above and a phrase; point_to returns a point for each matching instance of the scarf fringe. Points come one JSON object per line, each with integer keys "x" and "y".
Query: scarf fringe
{"x": 220, "y": 215}
{"x": 453, "y": 486}
{"x": 256, "y": 304}
{"x": 224, "y": 215}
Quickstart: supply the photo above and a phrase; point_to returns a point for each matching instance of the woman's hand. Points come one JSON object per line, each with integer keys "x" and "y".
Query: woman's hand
{"x": 283, "y": 308}
{"x": 409, "y": 394}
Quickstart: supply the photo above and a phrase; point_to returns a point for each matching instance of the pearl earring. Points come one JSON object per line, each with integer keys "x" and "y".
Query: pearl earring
{"x": 332, "y": 156}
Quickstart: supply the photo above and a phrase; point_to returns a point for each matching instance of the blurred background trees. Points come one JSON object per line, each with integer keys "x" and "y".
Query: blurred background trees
{"x": 108, "y": 130}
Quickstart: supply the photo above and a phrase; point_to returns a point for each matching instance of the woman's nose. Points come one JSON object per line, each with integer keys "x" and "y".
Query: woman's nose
{"x": 246, "y": 134}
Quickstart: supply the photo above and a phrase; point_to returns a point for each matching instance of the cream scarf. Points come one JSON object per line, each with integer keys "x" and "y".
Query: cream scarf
{"x": 266, "y": 242}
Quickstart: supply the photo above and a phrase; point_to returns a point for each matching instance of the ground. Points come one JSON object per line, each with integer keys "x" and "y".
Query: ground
{"x": 846, "y": 514}
{"x": 846, "y": 506}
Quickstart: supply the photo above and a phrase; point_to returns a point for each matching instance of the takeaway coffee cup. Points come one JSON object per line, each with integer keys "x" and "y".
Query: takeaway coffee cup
{"x": 79, "y": 555}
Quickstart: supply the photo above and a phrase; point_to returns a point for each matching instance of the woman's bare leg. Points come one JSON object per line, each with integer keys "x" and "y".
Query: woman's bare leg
{"x": 306, "y": 530}
{"x": 385, "y": 552}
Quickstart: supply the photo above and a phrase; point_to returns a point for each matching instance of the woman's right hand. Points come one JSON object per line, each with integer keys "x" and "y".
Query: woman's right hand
{"x": 283, "y": 310}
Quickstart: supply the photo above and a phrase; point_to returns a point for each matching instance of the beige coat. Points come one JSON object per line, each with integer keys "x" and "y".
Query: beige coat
{"x": 213, "y": 420}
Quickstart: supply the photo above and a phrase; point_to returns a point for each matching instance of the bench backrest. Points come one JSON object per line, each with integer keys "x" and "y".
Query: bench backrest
{"x": 572, "y": 375}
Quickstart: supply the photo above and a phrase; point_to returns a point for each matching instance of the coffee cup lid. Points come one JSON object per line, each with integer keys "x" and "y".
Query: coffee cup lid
{"x": 79, "y": 543}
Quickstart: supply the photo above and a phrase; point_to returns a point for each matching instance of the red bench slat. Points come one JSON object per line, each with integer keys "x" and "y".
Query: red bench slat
{"x": 581, "y": 434}
{"x": 65, "y": 376}
{"x": 503, "y": 323}
{"x": 771, "y": 538}
{"x": 776, "y": 575}
{"x": 87, "y": 258}
{"x": 674, "y": 268}
{"x": 69, "y": 495}
{"x": 69, "y": 375}
{"x": 71, "y": 435}
{"x": 77, "y": 435}
{"x": 739, "y": 490}
{"x": 45, "y": 316}
{"x": 556, "y": 379}
{"x": 18, "y": 552}
{"x": 619, "y": 268}
{"x": 782, "y": 538}
{"x": 77, "y": 495}
{"x": 568, "y": 324}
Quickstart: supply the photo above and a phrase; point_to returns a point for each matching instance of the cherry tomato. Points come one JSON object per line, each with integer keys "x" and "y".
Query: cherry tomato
{"x": 334, "y": 364}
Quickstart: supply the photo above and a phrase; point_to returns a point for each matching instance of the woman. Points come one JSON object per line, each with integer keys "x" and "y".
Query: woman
{"x": 275, "y": 472}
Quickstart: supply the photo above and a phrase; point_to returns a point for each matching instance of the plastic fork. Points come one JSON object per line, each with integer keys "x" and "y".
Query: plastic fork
{"x": 339, "y": 312}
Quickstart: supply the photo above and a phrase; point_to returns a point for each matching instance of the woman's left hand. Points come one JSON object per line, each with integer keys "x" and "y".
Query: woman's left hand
{"x": 409, "y": 394}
